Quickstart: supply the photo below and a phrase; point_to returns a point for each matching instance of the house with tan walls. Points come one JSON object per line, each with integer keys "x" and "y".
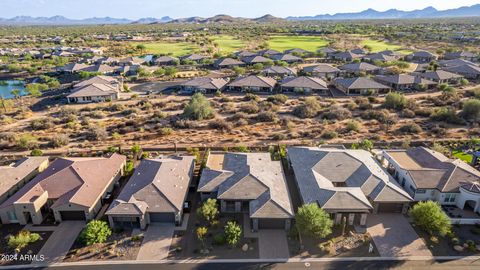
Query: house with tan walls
{"x": 70, "y": 189}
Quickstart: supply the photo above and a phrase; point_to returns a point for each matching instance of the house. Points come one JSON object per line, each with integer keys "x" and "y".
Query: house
{"x": 360, "y": 86}
{"x": 101, "y": 68}
{"x": 73, "y": 67}
{"x": 70, "y": 188}
{"x": 325, "y": 71}
{"x": 358, "y": 68}
{"x": 156, "y": 192}
{"x": 252, "y": 60}
{"x": 249, "y": 183}
{"x": 203, "y": 85}
{"x": 242, "y": 54}
{"x": 93, "y": 93}
{"x": 110, "y": 81}
{"x": 327, "y": 51}
{"x": 421, "y": 57}
{"x": 286, "y": 58}
{"x": 305, "y": 85}
{"x": 380, "y": 57}
{"x": 346, "y": 56}
{"x": 268, "y": 52}
{"x": 454, "y": 62}
{"x": 358, "y": 51}
{"x": 16, "y": 175}
{"x": 131, "y": 61}
{"x": 297, "y": 51}
{"x": 441, "y": 76}
{"x": 405, "y": 82}
{"x": 469, "y": 56}
{"x": 347, "y": 184}
{"x": 166, "y": 61}
{"x": 429, "y": 175}
{"x": 197, "y": 58}
{"x": 227, "y": 63}
{"x": 252, "y": 83}
{"x": 279, "y": 71}
{"x": 471, "y": 72}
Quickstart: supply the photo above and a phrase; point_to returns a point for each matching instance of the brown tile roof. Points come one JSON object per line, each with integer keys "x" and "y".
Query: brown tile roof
{"x": 254, "y": 81}
{"x": 79, "y": 181}
{"x": 304, "y": 82}
{"x": 13, "y": 174}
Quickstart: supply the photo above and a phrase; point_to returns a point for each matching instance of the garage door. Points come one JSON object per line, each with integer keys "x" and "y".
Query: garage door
{"x": 390, "y": 208}
{"x": 127, "y": 222}
{"x": 271, "y": 224}
{"x": 162, "y": 217}
{"x": 72, "y": 215}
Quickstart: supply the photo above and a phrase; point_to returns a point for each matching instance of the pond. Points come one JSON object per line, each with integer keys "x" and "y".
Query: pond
{"x": 6, "y": 88}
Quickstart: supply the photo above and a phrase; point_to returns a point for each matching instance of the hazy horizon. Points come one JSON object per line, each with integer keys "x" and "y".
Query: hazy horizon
{"x": 81, "y": 9}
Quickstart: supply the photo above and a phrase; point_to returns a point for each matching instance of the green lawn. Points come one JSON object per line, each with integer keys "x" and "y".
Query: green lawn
{"x": 309, "y": 43}
{"x": 228, "y": 44}
{"x": 173, "y": 48}
{"x": 462, "y": 156}
{"x": 378, "y": 45}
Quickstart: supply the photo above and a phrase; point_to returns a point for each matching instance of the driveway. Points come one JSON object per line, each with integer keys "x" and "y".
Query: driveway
{"x": 394, "y": 236}
{"x": 61, "y": 240}
{"x": 156, "y": 242}
{"x": 273, "y": 244}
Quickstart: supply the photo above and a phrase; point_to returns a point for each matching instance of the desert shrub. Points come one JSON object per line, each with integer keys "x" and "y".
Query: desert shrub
{"x": 309, "y": 109}
{"x": 220, "y": 124}
{"x": 116, "y": 107}
{"x": 22, "y": 239}
{"x": 250, "y": 107}
{"x": 352, "y": 125}
{"x": 42, "y": 124}
{"x": 131, "y": 111}
{"x": 410, "y": 128}
{"x": 8, "y": 136}
{"x": 95, "y": 232}
{"x": 423, "y": 112}
{"x": 395, "y": 101}
{"x": 363, "y": 103}
{"x": 27, "y": 141}
{"x": 447, "y": 115}
{"x": 96, "y": 133}
{"x": 471, "y": 109}
{"x": 165, "y": 131}
{"x": 36, "y": 153}
{"x": 407, "y": 113}
{"x": 251, "y": 97}
{"x": 337, "y": 113}
{"x": 219, "y": 239}
{"x": 59, "y": 140}
{"x": 279, "y": 137}
{"x": 267, "y": 117}
{"x": 278, "y": 99}
{"x": 329, "y": 134}
{"x": 429, "y": 216}
{"x": 184, "y": 123}
{"x": 97, "y": 114}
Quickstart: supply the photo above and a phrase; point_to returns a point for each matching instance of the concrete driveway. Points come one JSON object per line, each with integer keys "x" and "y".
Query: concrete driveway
{"x": 61, "y": 240}
{"x": 272, "y": 244}
{"x": 394, "y": 236}
{"x": 156, "y": 241}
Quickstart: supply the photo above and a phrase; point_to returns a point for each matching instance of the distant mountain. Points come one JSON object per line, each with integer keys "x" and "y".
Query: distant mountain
{"x": 60, "y": 20}
{"x": 150, "y": 20}
{"x": 222, "y": 18}
{"x": 268, "y": 19}
{"x": 429, "y": 12}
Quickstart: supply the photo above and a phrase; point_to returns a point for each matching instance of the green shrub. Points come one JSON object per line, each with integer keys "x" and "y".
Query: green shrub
{"x": 22, "y": 239}
{"x": 97, "y": 231}
{"x": 219, "y": 239}
{"x": 198, "y": 108}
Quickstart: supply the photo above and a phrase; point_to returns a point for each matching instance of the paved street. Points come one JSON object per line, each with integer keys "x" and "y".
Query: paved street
{"x": 394, "y": 236}
{"x": 156, "y": 242}
{"x": 61, "y": 240}
{"x": 273, "y": 244}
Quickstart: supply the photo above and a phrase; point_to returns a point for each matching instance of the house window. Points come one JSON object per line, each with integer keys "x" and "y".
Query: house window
{"x": 412, "y": 188}
{"x": 12, "y": 216}
{"x": 421, "y": 191}
{"x": 449, "y": 198}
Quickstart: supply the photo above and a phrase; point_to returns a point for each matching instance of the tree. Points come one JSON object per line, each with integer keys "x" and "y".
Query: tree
{"x": 201, "y": 234}
{"x": 198, "y": 108}
{"x": 6, "y": 104}
{"x": 471, "y": 109}
{"x": 430, "y": 217}
{"x": 97, "y": 231}
{"x": 141, "y": 48}
{"x": 233, "y": 232}
{"x": 209, "y": 210}
{"x": 396, "y": 101}
{"x": 313, "y": 221}
{"x": 136, "y": 149}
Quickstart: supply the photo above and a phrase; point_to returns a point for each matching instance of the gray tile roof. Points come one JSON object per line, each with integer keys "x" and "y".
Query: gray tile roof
{"x": 362, "y": 66}
{"x": 464, "y": 69}
{"x": 254, "y": 81}
{"x": 403, "y": 79}
{"x": 157, "y": 185}
{"x": 228, "y": 62}
{"x": 286, "y": 57}
{"x": 255, "y": 59}
{"x": 279, "y": 70}
{"x": 321, "y": 68}
{"x": 360, "y": 83}
{"x": 250, "y": 176}
{"x": 206, "y": 83}
{"x": 454, "y": 62}
{"x": 93, "y": 90}
{"x": 165, "y": 59}
{"x": 432, "y": 170}
{"x": 439, "y": 75}
{"x": 304, "y": 82}
{"x": 422, "y": 54}
{"x": 341, "y": 179}
{"x": 13, "y": 174}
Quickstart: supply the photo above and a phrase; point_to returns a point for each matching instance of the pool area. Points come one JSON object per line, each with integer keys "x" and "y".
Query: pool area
{"x": 6, "y": 88}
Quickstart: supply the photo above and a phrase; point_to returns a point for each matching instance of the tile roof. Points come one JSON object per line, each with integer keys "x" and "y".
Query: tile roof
{"x": 93, "y": 90}
{"x": 359, "y": 83}
{"x": 228, "y": 62}
{"x": 321, "y": 68}
{"x": 13, "y": 174}
{"x": 341, "y": 179}
{"x": 362, "y": 66}
{"x": 304, "y": 82}
{"x": 249, "y": 176}
{"x": 439, "y": 75}
{"x": 157, "y": 185}
{"x": 78, "y": 181}
{"x": 254, "y": 81}
{"x": 403, "y": 79}
{"x": 279, "y": 70}
{"x": 206, "y": 83}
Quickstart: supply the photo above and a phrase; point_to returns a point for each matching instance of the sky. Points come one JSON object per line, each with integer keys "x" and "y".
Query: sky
{"x": 134, "y": 9}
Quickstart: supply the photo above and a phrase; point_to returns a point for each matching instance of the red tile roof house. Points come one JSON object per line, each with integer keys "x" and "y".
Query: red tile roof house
{"x": 248, "y": 183}
{"x": 155, "y": 193}
{"x": 71, "y": 188}
{"x": 16, "y": 175}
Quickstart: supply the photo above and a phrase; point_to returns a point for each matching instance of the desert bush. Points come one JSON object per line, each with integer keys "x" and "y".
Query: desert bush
{"x": 410, "y": 128}
{"x": 97, "y": 114}
{"x": 95, "y": 232}
{"x": 220, "y": 124}
{"x": 447, "y": 115}
{"x": 278, "y": 99}
{"x": 471, "y": 110}
{"x": 27, "y": 141}
{"x": 59, "y": 140}
{"x": 42, "y": 124}
{"x": 96, "y": 133}
{"x": 267, "y": 117}
{"x": 165, "y": 131}
{"x": 251, "y": 97}
{"x": 309, "y": 109}
{"x": 329, "y": 134}
{"x": 250, "y": 107}
{"x": 352, "y": 125}
{"x": 395, "y": 101}
{"x": 337, "y": 113}
{"x": 22, "y": 239}
{"x": 407, "y": 113}
{"x": 198, "y": 108}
